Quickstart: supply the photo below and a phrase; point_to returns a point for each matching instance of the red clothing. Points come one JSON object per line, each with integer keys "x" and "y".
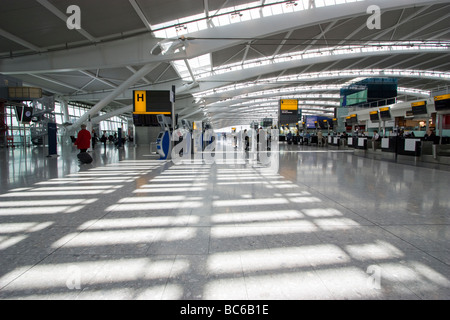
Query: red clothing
{"x": 83, "y": 139}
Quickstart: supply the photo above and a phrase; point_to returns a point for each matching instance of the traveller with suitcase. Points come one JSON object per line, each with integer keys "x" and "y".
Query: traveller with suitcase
{"x": 83, "y": 143}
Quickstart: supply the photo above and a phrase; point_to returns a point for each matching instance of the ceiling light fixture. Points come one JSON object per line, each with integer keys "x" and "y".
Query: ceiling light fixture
{"x": 291, "y": 4}
{"x": 236, "y": 15}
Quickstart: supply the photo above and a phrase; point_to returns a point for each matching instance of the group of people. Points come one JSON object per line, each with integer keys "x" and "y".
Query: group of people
{"x": 303, "y": 137}
{"x": 85, "y": 139}
{"x": 247, "y": 138}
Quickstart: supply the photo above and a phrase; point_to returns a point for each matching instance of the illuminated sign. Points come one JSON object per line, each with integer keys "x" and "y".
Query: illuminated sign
{"x": 418, "y": 104}
{"x": 152, "y": 102}
{"x": 419, "y": 107}
{"x": 443, "y": 97}
{"x": 385, "y": 114}
{"x": 288, "y": 111}
{"x": 442, "y": 102}
{"x": 374, "y": 116}
{"x": 290, "y": 104}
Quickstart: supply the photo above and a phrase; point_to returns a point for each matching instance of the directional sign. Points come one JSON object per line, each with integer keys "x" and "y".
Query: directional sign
{"x": 289, "y": 104}
{"x": 152, "y": 102}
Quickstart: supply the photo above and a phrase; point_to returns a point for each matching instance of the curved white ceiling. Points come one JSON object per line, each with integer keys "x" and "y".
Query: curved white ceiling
{"x": 250, "y": 47}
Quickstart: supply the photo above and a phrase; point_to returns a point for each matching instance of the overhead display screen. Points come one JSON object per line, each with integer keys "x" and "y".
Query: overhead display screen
{"x": 419, "y": 108}
{"x": 313, "y": 122}
{"x": 323, "y": 124}
{"x": 374, "y": 116}
{"x": 289, "y": 104}
{"x": 365, "y": 93}
{"x": 148, "y": 104}
{"x": 267, "y": 122}
{"x": 354, "y": 99}
{"x": 348, "y": 121}
{"x": 442, "y": 102}
{"x": 152, "y": 102}
{"x": 354, "y": 119}
{"x": 24, "y": 114}
{"x": 288, "y": 111}
{"x": 145, "y": 120}
{"x": 385, "y": 114}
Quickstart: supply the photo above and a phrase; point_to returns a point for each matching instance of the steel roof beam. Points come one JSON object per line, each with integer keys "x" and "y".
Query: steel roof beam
{"x": 64, "y": 18}
{"x": 141, "y": 14}
{"x": 26, "y": 44}
{"x": 136, "y": 50}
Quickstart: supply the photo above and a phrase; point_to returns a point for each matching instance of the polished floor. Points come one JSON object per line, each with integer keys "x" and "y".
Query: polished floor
{"x": 315, "y": 224}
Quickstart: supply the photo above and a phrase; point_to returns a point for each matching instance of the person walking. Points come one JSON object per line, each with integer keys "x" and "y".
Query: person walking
{"x": 320, "y": 139}
{"x": 94, "y": 138}
{"x": 83, "y": 141}
{"x": 104, "y": 139}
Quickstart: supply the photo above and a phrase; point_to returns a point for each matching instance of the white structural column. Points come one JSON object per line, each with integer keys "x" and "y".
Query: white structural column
{"x": 111, "y": 114}
{"x": 65, "y": 110}
{"x": 114, "y": 94}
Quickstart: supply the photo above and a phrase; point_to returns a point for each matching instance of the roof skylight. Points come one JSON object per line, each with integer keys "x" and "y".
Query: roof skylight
{"x": 236, "y": 14}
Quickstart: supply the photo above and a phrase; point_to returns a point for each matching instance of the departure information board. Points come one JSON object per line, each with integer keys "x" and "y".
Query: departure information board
{"x": 385, "y": 114}
{"x": 152, "y": 102}
{"x": 419, "y": 108}
{"x": 442, "y": 102}
{"x": 288, "y": 111}
{"x": 374, "y": 116}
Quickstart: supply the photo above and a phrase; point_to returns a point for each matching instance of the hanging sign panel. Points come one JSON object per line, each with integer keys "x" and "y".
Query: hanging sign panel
{"x": 385, "y": 114}
{"x": 148, "y": 104}
{"x": 152, "y": 102}
{"x": 288, "y": 111}
{"x": 442, "y": 102}
{"x": 374, "y": 116}
{"x": 24, "y": 114}
{"x": 419, "y": 108}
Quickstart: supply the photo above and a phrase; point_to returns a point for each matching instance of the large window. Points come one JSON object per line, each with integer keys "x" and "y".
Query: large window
{"x": 19, "y": 132}
{"x": 15, "y": 130}
{"x": 113, "y": 124}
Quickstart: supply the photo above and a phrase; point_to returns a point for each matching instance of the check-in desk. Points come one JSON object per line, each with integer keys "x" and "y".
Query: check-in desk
{"x": 409, "y": 147}
{"x": 351, "y": 142}
{"x": 389, "y": 144}
{"x": 361, "y": 143}
{"x": 402, "y": 146}
{"x": 334, "y": 141}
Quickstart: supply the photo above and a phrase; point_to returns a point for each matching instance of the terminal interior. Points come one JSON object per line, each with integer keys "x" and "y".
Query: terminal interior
{"x": 252, "y": 150}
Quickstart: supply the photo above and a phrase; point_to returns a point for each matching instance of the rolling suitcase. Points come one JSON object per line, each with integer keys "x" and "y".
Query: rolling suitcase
{"x": 85, "y": 158}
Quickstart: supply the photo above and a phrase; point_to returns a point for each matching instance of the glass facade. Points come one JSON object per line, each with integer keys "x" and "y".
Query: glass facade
{"x": 21, "y": 132}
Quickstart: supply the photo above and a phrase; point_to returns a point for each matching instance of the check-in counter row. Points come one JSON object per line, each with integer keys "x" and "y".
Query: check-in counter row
{"x": 427, "y": 151}
{"x": 392, "y": 144}
{"x": 351, "y": 142}
{"x": 399, "y": 145}
{"x": 402, "y": 146}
